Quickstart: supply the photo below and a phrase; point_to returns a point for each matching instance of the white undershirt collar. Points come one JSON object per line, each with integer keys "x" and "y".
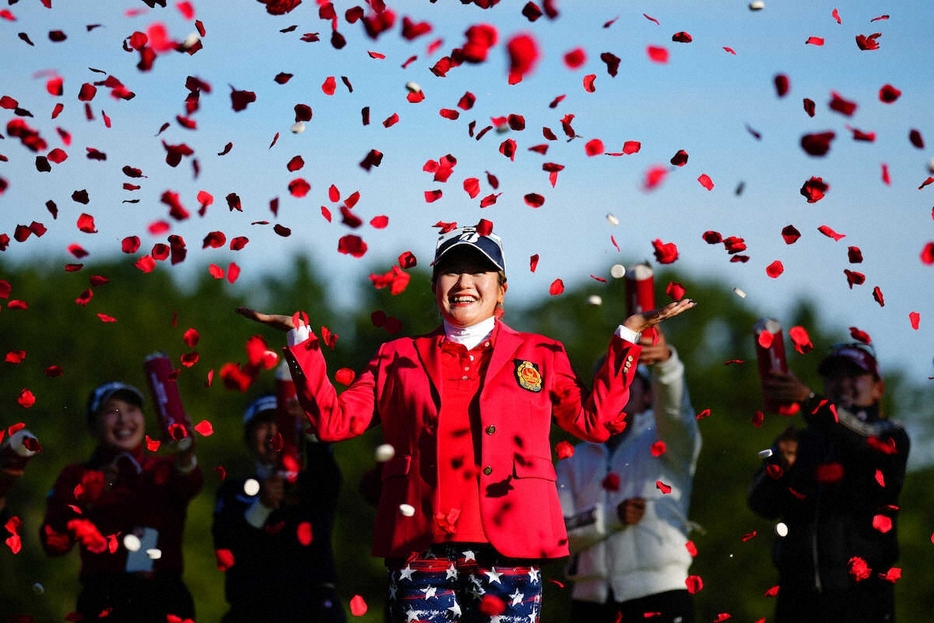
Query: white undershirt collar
{"x": 472, "y": 335}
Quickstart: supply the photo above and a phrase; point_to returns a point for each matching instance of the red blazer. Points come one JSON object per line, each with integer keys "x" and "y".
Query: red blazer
{"x": 529, "y": 380}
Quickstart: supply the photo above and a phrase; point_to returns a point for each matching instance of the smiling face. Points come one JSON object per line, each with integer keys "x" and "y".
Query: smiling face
{"x": 467, "y": 288}
{"x": 120, "y": 425}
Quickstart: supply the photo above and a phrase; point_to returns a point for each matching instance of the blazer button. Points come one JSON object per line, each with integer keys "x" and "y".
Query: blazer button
{"x": 487, "y": 470}
{"x": 490, "y": 429}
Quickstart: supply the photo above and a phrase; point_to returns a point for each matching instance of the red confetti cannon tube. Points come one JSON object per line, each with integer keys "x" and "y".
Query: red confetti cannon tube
{"x": 640, "y": 289}
{"x": 288, "y": 424}
{"x": 771, "y": 358}
{"x": 15, "y": 452}
{"x": 173, "y": 421}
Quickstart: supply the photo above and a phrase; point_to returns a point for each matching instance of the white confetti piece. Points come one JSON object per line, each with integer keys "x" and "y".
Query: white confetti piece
{"x": 756, "y": 5}
{"x": 618, "y": 271}
{"x": 781, "y": 529}
{"x": 298, "y": 127}
{"x": 595, "y": 300}
{"x": 407, "y": 510}
{"x": 764, "y": 454}
{"x": 612, "y": 220}
{"x": 739, "y": 293}
{"x": 413, "y": 87}
{"x": 154, "y": 554}
{"x": 251, "y": 486}
{"x": 131, "y": 542}
{"x": 384, "y": 452}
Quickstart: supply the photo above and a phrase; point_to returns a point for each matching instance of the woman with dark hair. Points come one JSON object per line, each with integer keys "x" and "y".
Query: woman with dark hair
{"x": 125, "y": 507}
{"x": 468, "y": 507}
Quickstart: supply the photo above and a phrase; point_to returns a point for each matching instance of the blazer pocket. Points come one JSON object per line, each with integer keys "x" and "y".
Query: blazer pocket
{"x": 534, "y": 467}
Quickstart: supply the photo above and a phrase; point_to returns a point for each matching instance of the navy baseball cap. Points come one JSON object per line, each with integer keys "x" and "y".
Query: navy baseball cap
{"x": 490, "y": 245}
{"x": 858, "y": 353}
{"x": 103, "y": 393}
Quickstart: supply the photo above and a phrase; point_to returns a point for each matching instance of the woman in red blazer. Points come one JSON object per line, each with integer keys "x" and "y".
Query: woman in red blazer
{"x": 468, "y": 506}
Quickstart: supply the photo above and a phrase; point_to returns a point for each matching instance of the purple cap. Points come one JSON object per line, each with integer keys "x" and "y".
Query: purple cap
{"x": 862, "y": 355}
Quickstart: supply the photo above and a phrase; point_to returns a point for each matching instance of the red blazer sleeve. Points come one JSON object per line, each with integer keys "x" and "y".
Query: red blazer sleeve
{"x": 599, "y": 414}
{"x": 332, "y": 418}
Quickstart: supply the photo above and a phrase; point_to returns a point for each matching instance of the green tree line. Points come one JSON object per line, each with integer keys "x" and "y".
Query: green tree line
{"x": 73, "y": 340}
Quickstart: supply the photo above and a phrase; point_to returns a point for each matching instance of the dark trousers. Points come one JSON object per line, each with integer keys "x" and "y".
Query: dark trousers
{"x": 869, "y": 601}
{"x": 134, "y": 598}
{"x": 667, "y": 607}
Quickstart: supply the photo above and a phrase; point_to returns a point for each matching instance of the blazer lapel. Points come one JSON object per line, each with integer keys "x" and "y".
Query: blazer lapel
{"x": 505, "y": 342}
{"x": 429, "y": 350}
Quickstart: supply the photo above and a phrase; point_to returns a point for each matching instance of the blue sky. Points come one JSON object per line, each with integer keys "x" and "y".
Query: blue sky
{"x": 721, "y": 107}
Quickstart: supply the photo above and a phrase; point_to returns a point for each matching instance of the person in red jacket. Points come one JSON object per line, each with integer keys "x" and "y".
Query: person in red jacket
{"x": 125, "y": 508}
{"x": 468, "y": 506}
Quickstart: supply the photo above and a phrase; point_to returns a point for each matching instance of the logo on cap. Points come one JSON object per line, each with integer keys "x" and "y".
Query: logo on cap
{"x": 490, "y": 245}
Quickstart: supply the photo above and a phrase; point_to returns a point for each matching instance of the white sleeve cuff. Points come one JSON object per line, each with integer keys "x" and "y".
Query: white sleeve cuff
{"x": 627, "y": 334}
{"x": 298, "y": 335}
{"x": 257, "y": 514}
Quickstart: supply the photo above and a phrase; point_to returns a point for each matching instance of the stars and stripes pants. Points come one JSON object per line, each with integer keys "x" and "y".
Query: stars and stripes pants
{"x": 467, "y": 582}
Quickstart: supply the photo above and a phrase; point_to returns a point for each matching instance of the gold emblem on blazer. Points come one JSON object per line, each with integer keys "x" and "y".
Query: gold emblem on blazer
{"x": 528, "y": 376}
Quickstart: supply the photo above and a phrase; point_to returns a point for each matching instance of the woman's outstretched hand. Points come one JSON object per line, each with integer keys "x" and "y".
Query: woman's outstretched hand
{"x": 646, "y": 320}
{"x": 276, "y": 321}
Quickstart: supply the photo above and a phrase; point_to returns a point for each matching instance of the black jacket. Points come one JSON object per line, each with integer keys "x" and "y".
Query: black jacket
{"x": 839, "y": 500}
{"x": 274, "y": 575}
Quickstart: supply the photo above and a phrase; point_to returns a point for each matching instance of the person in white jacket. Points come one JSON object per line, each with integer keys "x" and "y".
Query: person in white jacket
{"x": 626, "y": 503}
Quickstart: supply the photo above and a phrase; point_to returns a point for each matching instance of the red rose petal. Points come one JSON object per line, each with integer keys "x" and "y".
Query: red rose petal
{"x": 877, "y": 296}
{"x": 694, "y": 584}
{"x": 801, "y": 340}
{"x": 675, "y": 290}
{"x": 352, "y": 245}
{"x": 665, "y": 252}
{"x": 344, "y": 376}
{"x": 927, "y": 254}
{"x": 241, "y": 99}
{"x": 888, "y": 94}
{"x": 661, "y": 486}
{"x": 556, "y": 288}
{"x": 915, "y": 319}
{"x": 854, "y": 278}
{"x": 564, "y": 450}
{"x": 523, "y": 55}
{"x": 575, "y": 58}
{"x": 357, "y": 606}
{"x": 790, "y": 234}
{"x": 860, "y": 336}
{"x": 705, "y": 181}
{"x": 204, "y": 428}
{"x": 588, "y": 83}
{"x": 840, "y": 105}
{"x": 830, "y": 233}
{"x": 775, "y": 269}
{"x": 657, "y": 54}
{"x": 817, "y": 144}
{"x": 296, "y": 163}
